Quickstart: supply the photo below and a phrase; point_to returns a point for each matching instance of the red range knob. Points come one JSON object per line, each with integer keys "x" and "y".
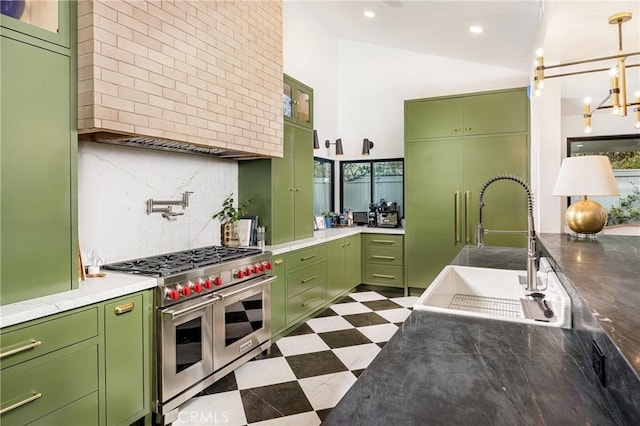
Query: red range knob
{"x": 217, "y": 280}
{"x": 173, "y": 295}
{"x": 239, "y": 274}
{"x": 261, "y": 267}
{"x": 208, "y": 284}
{"x": 186, "y": 291}
{"x": 197, "y": 287}
{"x": 268, "y": 265}
{"x": 255, "y": 269}
{"x": 247, "y": 272}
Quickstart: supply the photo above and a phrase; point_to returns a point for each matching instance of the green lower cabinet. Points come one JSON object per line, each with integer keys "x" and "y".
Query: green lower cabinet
{"x": 89, "y": 366}
{"x": 50, "y": 382}
{"x": 278, "y": 296}
{"x": 302, "y": 304}
{"x": 344, "y": 265}
{"x": 127, "y": 358}
{"x": 82, "y": 412}
{"x": 383, "y": 260}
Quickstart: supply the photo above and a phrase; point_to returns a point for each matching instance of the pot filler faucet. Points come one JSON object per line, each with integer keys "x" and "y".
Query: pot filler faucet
{"x": 532, "y": 282}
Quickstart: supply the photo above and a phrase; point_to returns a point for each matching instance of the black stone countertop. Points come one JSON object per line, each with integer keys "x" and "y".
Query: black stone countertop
{"x": 606, "y": 274}
{"x": 446, "y": 369}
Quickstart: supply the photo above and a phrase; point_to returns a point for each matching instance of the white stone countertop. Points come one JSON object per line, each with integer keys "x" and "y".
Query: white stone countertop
{"x": 92, "y": 290}
{"x": 113, "y": 284}
{"x": 326, "y": 235}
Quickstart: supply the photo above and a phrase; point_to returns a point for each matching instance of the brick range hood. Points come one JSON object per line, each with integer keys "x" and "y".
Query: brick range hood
{"x": 201, "y": 77}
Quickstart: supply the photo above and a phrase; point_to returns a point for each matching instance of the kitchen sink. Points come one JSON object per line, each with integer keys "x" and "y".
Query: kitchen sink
{"x": 499, "y": 294}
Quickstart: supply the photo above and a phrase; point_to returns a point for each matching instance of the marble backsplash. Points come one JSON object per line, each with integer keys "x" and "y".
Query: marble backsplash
{"x": 114, "y": 184}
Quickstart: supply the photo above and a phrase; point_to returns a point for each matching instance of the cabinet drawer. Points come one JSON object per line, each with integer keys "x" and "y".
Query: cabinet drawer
{"x": 29, "y": 342}
{"x": 79, "y": 413}
{"x": 384, "y": 275}
{"x": 51, "y": 381}
{"x": 306, "y": 278}
{"x": 383, "y": 255}
{"x": 382, "y": 240}
{"x": 305, "y": 257}
{"x": 306, "y": 302}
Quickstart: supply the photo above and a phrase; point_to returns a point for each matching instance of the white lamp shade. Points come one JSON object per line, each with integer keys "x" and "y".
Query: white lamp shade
{"x": 586, "y": 175}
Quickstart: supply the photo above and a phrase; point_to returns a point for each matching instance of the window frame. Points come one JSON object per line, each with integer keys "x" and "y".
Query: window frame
{"x": 332, "y": 201}
{"x": 373, "y": 175}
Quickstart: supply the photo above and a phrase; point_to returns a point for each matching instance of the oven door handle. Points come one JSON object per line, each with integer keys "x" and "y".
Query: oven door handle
{"x": 171, "y": 314}
{"x": 236, "y": 290}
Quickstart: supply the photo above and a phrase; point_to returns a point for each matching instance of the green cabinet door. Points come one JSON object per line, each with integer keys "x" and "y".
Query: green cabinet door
{"x": 433, "y": 118}
{"x": 303, "y": 179}
{"x": 434, "y": 208}
{"x": 298, "y": 102}
{"x": 353, "y": 261}
{"x": 278, "y": 296}
{"x": 37, "y": 205}
{"x": 497, "y": 112}
{"x": 127, "y": 357}
{"x": 336, "y": 274}
{"x": 505, "y": 201}
{"x": 283, "y": 183}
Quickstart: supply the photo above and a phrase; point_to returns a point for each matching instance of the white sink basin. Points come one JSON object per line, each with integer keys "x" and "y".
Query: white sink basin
{"x": 499, "y": 294}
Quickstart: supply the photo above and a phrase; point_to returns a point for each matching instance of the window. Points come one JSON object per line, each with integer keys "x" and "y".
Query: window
{"x": 624, "y": 154}
{"x": 322, "y": 186}
{"x": 366, "y": 182}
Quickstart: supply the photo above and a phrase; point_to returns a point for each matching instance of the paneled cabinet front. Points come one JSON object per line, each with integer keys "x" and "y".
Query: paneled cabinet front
{"x": 344, "y": 265}
{"x": 127, "y": 354}
{"x": 306, "y": 281}
{"x": 48, "y": 364}
{"x": 38, "y": 161}
{"x": 89, "y": 366}
{"x": 445, "y": 175}
{"x": 281, "y": 189}
{"x": 383, "y": 260}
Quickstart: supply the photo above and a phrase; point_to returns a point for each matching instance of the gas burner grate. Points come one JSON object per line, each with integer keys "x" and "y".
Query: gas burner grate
{"x": 172, "y": 263}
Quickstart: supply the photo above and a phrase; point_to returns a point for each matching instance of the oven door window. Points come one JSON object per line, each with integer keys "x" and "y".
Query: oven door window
{"x": 188, "y": 344}
{"x": 243, "y": 318}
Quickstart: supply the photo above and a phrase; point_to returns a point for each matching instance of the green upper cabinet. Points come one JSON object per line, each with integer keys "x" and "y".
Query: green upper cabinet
{"x": 49, "y": 21}
{"x": 477, "y": 114}
{"x": 443, "y": 177}
{"x": 281, "y": 189}
{"x": 297, "y": 99}
{"x": 38, "y": 157}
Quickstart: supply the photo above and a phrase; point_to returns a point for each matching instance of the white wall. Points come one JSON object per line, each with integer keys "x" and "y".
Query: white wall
{"x": 114, "y": 184}
{"x": 374, "y": 82}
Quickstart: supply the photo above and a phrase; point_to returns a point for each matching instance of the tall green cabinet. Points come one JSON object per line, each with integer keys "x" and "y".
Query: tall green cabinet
{"x": 281, "y": 189}
{"x": 38, "y": 154}
{"x": 452, "y": 147}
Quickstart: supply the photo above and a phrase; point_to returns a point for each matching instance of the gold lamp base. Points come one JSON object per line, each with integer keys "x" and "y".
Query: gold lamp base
{"x": 586, "y": 217}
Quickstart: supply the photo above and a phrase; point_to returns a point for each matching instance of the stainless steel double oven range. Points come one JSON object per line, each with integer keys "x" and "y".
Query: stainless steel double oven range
{"x": 213, "y": 308}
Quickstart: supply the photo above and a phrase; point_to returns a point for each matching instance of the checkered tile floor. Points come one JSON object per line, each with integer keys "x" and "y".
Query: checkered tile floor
{"x": 308, "y": 371}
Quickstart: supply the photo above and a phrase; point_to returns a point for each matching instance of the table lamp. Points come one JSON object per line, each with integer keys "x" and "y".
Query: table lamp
{"x": 583, "y": 176}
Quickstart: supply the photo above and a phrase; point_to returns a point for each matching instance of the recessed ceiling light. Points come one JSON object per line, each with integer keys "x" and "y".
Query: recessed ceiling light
{"x": 369, "y": 14}
{"x": 475, "y": 29}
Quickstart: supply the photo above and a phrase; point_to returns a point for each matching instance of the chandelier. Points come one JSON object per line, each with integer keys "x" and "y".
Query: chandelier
{"x": 617, "y": 81}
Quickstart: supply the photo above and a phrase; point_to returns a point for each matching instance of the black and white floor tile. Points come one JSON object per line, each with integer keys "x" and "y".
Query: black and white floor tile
{"x": 307, "y": 372}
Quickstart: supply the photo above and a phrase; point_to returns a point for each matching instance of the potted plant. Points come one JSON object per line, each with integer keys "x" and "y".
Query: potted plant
{"x": 328, "y": 219}
{"x": 229, "y": 215}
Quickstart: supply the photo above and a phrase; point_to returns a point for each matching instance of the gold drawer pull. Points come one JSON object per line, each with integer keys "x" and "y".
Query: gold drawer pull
{"x": 27, "y": 400}
{"x": 309, "y": 300}
{"x": 309, "y": 279}
{"x": 32, "y": 344}
{"x": 383, "y": 257}
{"x": 302, "y": 259}
{"x": 391, "y": 277}
{"x": 278, "y": 262}
{"x": 123, "y": 309}
{"x": 383, "y": 241}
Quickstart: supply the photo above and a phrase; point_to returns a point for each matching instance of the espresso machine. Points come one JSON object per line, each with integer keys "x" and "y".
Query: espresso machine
{"x": 385, "y": 214}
